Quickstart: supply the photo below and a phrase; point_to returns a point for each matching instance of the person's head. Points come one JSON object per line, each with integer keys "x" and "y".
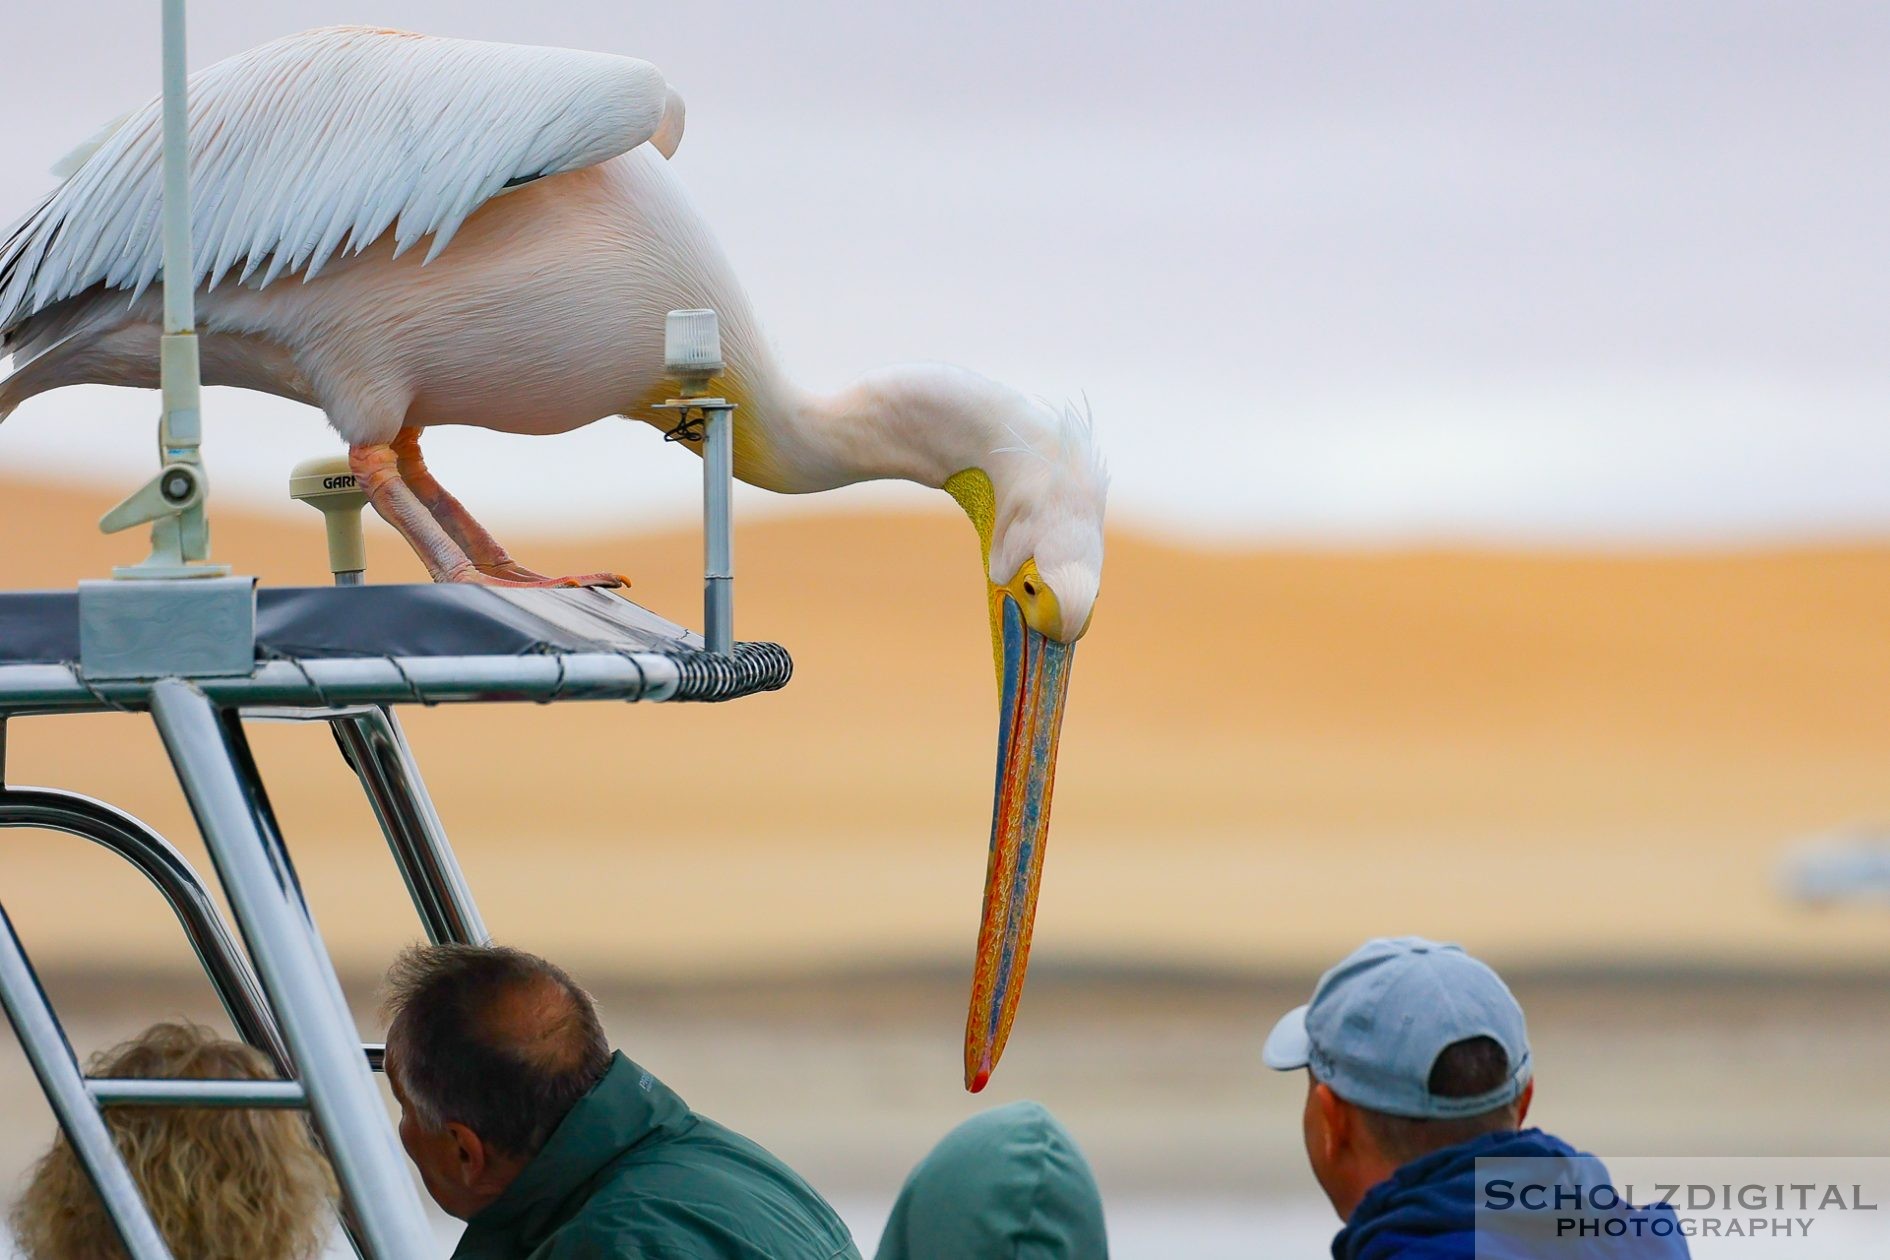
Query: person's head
{"x": 221, "y": 1185}
{"x": 1007, "y": 1184}
{"x": 488, "y": 1048}
{"x": 1409, "y": 1047}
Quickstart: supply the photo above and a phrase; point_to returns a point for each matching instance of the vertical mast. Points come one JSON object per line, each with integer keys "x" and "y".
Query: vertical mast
{"x": 180, "y": 314}
{"x": 173, "y": 501}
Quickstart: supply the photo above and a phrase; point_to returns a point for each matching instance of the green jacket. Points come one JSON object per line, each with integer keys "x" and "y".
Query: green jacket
{"x": 1008, "y": 1184}
{"x": 633, "y": 1174}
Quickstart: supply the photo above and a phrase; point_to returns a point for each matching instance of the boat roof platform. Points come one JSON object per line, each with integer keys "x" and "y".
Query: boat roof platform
{"x": 202, "y": 656}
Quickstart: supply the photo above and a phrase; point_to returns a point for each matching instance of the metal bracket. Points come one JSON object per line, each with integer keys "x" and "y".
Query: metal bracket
{"x": 173, "y": 501}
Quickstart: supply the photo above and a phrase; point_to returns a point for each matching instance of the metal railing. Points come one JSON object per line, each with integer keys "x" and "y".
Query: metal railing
{"x": 293, "y": 1011}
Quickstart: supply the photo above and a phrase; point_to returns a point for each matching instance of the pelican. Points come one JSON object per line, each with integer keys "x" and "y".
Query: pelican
{"x": 408, "y": 231}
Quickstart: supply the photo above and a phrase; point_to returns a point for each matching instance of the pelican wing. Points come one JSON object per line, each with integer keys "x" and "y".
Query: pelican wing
{"x": 327, "y": 141}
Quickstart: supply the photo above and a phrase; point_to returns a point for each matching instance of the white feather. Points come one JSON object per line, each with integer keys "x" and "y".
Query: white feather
{"x": 669, "y": 132}
{"x": 68, "y": 165}
{"x": 326, "y": 141}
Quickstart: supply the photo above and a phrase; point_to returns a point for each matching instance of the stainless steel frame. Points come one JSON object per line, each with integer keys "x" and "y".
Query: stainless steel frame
{"x": 219, "y": 779}
{"x": 136, "y": 1092}
{"x": 73, "y": 1105}
{"x": 295, "y": 1011}
{"x": 374, "y": 744}
{"x": 354, "y": 680}
{"x": 182, "y": 888}
{"x": 718, "y": 527}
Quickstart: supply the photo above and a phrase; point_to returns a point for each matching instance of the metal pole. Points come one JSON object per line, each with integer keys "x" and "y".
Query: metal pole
{"x": 718, "y": 530}
{"x": 294, "y": 969}
{"x": 374, "y": 744}
{"x": 222, "y": 1095}
{"x": 51, "y": 1056}
{"x": 181, "y": 429}
{"x": 329, "y": 681}
{"x": 179, "y": 298}
{"x": 692, "y": 353}
{"x": 181, "y": 888}
{"x": 173, "y": 501}
{"x": 249, "y": 777}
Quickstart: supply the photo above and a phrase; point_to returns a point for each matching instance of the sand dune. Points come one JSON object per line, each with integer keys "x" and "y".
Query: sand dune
{"x": 1268, "y": 755}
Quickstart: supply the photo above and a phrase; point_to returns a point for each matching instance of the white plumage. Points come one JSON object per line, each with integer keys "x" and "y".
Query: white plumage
{"x": 320, "y": 160}
{"x": 322, "y": 142}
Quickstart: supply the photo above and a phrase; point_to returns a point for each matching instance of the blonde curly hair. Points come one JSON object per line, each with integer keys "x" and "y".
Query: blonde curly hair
{"x": 239, "y": 1184}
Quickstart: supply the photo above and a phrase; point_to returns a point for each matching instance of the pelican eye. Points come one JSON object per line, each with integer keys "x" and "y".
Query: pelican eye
{"x": 1030, "y": 588}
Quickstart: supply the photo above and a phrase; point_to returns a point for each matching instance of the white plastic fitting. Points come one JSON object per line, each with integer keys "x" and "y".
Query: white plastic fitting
{"x": 327, "y": 484}
{"x": 692, "y": 347}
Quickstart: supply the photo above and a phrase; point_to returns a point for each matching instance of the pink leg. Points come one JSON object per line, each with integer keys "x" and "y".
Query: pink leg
{"x": 374, "y": 465}
{"x": 485, "y": 552}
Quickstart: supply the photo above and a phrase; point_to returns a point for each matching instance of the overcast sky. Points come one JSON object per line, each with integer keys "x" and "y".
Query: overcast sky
{"x": 1325, "y": 270}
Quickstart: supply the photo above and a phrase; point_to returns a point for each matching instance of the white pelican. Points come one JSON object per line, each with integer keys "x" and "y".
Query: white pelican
{"x": 320, "y": 160}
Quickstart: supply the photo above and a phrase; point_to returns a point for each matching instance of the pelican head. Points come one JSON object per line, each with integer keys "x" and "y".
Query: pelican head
{"x": 1038, "y": 506}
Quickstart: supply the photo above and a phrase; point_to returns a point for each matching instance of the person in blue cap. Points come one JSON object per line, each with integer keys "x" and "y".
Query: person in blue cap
{"x": 1418, "y": 1067}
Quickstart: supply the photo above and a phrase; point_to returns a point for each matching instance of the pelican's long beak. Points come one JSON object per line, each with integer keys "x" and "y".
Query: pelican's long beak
{"x": 1035, "y": 679}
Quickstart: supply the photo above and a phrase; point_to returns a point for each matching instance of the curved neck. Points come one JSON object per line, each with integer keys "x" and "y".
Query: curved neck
{"x": 919, "y": 422}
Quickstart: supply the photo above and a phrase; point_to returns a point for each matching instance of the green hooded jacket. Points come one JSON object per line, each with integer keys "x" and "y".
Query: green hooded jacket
{"x": 633, "y": 1174}
{"x": 1008, "y": 1184}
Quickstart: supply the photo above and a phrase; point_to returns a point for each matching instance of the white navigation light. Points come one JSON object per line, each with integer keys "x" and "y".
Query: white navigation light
{"x": 692, "y": 345}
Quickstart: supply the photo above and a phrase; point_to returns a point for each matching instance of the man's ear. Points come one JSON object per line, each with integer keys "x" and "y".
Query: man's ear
{"x": 1336, "y": 1126}
{"x": 473, "y": 1154}
{"x": 1522, "y": 1103}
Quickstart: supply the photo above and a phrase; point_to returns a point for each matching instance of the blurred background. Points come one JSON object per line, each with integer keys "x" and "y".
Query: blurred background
{"x": 1496, "y": 402}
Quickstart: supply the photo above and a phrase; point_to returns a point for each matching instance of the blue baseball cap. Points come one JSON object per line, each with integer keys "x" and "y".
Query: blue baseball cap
{"x": 1378, "y": 1021}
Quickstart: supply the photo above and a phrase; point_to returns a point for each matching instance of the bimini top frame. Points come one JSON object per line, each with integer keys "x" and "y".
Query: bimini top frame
{"x": 200, "y": 656}
{"x": 104, "y": 646}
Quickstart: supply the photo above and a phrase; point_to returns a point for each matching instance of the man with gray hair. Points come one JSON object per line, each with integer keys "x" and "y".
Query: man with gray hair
{"x": 526, "y": 1126}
